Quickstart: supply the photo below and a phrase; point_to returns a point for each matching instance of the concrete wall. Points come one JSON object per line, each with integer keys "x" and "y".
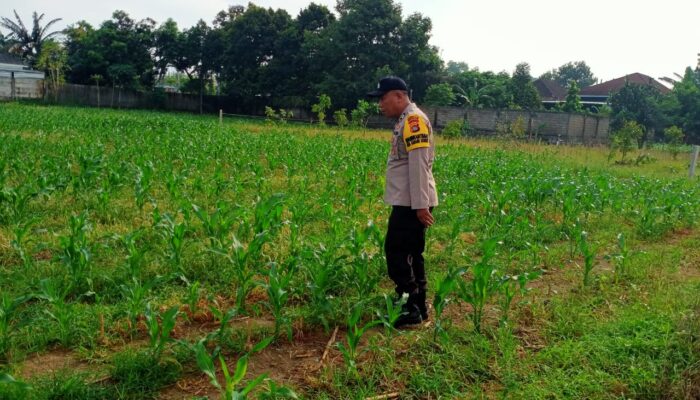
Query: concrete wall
{"x": 549, "y": 126}
{"x": 25, "y": 88}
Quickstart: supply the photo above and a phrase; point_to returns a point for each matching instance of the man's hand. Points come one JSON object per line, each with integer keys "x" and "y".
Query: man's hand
{"x": 425, "y": 217}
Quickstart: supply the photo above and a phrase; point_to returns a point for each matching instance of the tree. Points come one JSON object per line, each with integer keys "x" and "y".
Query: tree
{"x": 439, "y": 95}
{"x": 53, "y": 60}
{"x": 169, "y": 46}
{"x": 456, "y": 68}
{"x": 638, "y": 103}
{"x": 120, "y": 50}
{"x": 577, "y": 71}
{"x": 524, "y": 92}
{"x": 250, "y": 47}
{"x": 24, "y": 43}
{"x": 573, "y": 100}
{"x": 683, "y": 105}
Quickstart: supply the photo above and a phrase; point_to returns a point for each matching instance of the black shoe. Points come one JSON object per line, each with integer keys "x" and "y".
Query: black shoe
{"x": 422, "y": 307}
{"x": 410, "y": 316}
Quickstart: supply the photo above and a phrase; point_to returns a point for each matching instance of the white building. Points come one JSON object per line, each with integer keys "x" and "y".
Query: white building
{"x": 17, "y": 81}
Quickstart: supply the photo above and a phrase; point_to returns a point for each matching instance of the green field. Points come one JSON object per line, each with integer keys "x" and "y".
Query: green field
{"x": 140, "y": 249}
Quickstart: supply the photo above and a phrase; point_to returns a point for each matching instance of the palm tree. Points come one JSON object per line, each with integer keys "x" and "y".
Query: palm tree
{"x": 27, "y": 44}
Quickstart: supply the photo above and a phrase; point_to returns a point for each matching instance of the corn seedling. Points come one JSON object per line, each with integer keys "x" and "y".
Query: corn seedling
{"x": 277, "y": 288}
{"x": 136, "y": 295}
{"x": 20, "y": 242}
{"x": 350, "y": 350}
{"x": 483, "y": 285}
{"x": 388, "y": 315}
{"x": 221, "y": 336}
{"x": 75, "y": 252}
{"x": 61, "y": 311}
{"x": 160, "y": 327}
{"x": 9, "y": 307}
{"x": 511, "y": 285}
{"x": 142, "y": 183}
{"x": 445, "y": 289}
{"x": 229, "y": 388}
{"x": 174, "y": 234}
{"x": 588, "y": 253}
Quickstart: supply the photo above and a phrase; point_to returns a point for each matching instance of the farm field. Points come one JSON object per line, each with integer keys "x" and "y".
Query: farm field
{"x": 141, "y": 250}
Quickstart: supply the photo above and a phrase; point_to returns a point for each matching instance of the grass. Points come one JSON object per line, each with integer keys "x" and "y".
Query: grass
{"x": 626, "y": 335}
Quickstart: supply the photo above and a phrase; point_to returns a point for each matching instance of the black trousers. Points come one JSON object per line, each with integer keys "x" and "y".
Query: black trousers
{"x": 403, "y": 246}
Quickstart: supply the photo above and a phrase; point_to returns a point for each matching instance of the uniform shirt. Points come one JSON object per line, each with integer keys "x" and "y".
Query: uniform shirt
{"x": 409, "y": 170}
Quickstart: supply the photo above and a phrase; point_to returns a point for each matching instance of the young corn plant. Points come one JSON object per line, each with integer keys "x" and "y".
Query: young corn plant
{"x": 135, "y": 295}
{"x": 143, "y": 183}
{"x": 360, "y": 274}
{"x": 391, "y": 312}
{"x": 9, "y": 307}
{"x": 61, "y": 311}
{"x": 14, "y": 202}
{"x": 222, "y": 335}
{"x": 174, "y": 235}
{"x": 217, "y": 225}
{"x": 135, "y": 254}
{"x": 350, "y": 350}
{"x": 277, "y": 288}
{"x": 20, "y": 242}
{"x": 509, "y": 286}
{"x": 621, "y": 257}
{"x": 321, "y": 271}
{"x": 192, "y": 298}
{"x": 443, "y": 295}
{"x": 588, "y": 253}
{"x": 160, "y": 328}
{"x": 75, "y": 253}
{"x": 483, "y": 284}
{"x": 229, "y": 387}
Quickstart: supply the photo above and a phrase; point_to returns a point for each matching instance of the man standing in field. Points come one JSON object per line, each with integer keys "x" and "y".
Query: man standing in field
{"x": 410, "y": 190}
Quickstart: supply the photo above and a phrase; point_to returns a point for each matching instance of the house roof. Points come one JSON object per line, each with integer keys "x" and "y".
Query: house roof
{"x": 7, "y": 58}
{"x": 613, "y": 86}
{"x": 550, "y": 90}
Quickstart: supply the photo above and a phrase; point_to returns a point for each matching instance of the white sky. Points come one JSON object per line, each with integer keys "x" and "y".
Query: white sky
{"x": 614, "y": 37}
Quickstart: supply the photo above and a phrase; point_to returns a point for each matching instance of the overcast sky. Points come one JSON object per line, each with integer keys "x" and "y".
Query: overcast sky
{"x": 614, "y": 37}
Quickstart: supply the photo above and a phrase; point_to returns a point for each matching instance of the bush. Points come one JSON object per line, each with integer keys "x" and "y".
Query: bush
{"x": 341, "y": 117}
{"x": 360, "y": 115}
{"x": 674, "y": 137}
{"x": 456, "y": 129}
{"x": 625, "y": 139}
{"x": 320, "y": 108}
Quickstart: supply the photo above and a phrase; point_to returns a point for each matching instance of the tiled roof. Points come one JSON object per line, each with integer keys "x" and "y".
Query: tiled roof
{"x": 613, "y": 86}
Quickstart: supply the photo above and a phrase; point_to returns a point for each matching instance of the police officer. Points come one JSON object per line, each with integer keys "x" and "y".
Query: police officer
{"x": 410, "y": 190}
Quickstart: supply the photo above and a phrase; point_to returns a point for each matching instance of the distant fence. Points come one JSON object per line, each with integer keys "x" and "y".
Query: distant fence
{"x": 553, "y": 127}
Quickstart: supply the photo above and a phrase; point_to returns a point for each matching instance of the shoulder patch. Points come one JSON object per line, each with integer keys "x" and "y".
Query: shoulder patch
{"x": 415, "y": 132}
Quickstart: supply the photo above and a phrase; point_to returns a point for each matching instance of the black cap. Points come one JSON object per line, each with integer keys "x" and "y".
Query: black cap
{"x": 387, "y": 84}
